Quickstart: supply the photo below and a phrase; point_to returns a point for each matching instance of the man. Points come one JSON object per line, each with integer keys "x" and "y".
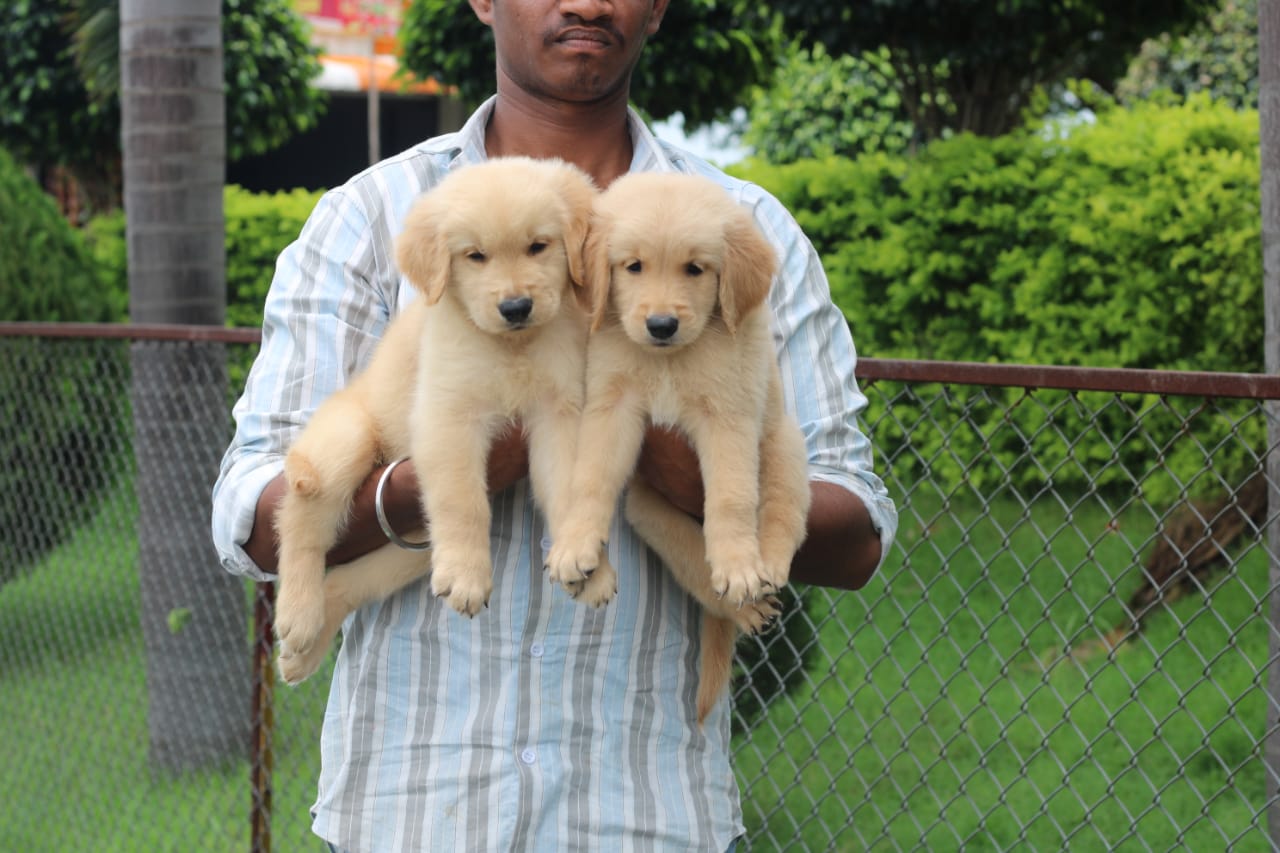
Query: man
{"x": 541, "y": 724}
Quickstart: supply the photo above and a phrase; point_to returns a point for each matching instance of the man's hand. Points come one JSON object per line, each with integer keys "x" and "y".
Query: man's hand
{"x": 668, "y": 463}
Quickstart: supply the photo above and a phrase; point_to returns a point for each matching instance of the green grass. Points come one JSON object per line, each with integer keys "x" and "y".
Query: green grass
{"x": 964, "y": 699}
{"x": 73, "y": 699}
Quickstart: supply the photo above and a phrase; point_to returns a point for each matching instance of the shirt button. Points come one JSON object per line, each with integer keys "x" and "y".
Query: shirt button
{"x": 536, "y": 650}
{"x": 528, "y": 756}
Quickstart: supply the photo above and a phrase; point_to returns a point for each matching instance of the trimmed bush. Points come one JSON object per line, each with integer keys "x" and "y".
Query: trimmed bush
{"x": 60, "y": 427}
{"x": 1132, "y": 241}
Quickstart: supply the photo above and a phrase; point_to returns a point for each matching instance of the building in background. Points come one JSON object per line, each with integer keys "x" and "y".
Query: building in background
{"x": 373, "y": 109}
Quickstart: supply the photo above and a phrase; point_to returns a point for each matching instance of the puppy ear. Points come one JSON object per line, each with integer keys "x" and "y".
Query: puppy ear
{"x": 749, "y": 265}
{"x": 422, "y": 253}
{"x": 598, "y": 270}
{"x": 579, "y": 195}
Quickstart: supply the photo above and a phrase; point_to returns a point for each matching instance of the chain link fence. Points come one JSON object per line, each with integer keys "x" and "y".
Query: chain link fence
{"x": 1067, "y": 647}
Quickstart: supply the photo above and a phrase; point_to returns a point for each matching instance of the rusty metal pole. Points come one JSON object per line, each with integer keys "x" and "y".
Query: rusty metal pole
{"x": 262, "y": 758}
{"x": 1269, "y": 139}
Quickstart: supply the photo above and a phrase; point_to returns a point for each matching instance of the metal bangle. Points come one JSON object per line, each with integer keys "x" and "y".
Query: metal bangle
{"x": 382, "y": 513}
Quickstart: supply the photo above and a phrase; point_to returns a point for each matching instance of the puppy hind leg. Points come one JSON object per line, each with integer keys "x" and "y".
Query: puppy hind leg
{"x": 677, "y": 540}
{"x": 349, "y": 587}
{"x": 322, "y": 471}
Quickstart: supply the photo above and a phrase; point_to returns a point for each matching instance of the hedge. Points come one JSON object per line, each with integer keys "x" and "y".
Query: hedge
{"x": 1129, "y": 241}
{"x": 58, "y": 424}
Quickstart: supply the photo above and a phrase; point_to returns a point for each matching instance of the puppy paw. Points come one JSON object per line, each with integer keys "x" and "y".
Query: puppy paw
{"x": 738, "y": 577}
{"x": 299, "y": 617}
{"x": 465, "y": 588}
{"x": 598, "y": 589}
{"x": 294, "y": 667}
{"x": 572, "y": 560}
{"x": 756, "y": 617}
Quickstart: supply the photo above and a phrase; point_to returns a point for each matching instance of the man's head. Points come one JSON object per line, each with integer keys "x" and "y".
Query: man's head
{"x": 569, "y": 50}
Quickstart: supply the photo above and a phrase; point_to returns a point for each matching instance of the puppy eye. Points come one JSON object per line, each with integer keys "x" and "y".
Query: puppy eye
{"x": 692, "y": 269}
{"x": 476, "y": 255}
{"x": 537, "y": 247}
{"x": 634, "y": 266}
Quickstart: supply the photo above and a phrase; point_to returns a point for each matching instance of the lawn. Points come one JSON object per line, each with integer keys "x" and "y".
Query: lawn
{"x": 965, "y": 698}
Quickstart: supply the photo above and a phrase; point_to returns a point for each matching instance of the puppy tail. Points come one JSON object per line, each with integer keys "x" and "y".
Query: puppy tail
{"x": 719, "y": 636}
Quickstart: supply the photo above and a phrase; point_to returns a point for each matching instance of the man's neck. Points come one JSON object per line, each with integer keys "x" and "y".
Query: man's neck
{"x": 594, "y": 137}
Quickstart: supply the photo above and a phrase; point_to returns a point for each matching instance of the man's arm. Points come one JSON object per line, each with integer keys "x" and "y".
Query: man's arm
{"x": 508, "y": 463}
{"x": 841, "y": 548}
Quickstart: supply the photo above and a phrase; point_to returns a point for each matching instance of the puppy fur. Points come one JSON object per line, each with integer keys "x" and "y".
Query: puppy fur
{"x": 679, "y": 274}
{"x": 497, "y": 334}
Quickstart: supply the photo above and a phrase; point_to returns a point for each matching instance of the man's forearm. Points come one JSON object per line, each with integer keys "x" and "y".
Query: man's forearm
{"x": 362, "y": 533}
{"x": 842, "y": 548}
{"x": 508, "y": 463}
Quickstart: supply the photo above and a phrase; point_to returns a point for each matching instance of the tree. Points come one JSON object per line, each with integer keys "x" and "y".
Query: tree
{"x": 701, "y": 64}
{"x": 193, "y": 614}
{"x": 974, "y": 65}
{"x": 1219, "y": 56}
{"x": 820, "y": 105}
{"x": 60, "y": 82}
{"x": 1269, "y": 141}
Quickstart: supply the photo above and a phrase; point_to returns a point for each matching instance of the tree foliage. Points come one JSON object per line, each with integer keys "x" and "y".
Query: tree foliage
{"x": 1218, "y": 56}
{"x": 974, "y": 64}
{"x": 821, "y": 105}
{"x": 701, "y": 63}
{"x": 46, "y": 113}
{"x": 60, "y": 79}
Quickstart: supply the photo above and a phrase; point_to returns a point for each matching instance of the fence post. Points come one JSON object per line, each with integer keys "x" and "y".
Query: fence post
{"x": 264, "y": 718}
{"x": 1269, "y": 119}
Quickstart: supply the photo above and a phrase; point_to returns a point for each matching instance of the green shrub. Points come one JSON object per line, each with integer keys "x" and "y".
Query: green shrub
{"x": 259, "y": 226}
{"x": 60, "y": 422}
{"x": 1132, "y": 241}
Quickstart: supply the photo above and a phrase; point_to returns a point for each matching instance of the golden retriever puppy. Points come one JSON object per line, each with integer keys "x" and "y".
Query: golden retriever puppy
{"x": 679, "y": 274}
{"x": 498, "y": 334}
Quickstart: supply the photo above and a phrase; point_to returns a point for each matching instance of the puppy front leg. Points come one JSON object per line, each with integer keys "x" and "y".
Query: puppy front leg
{"x": 609, "y": 440}
{"x": 729, "y": 453}
{"x": 553, "y": 447}
{"x": 784, "y": 496}
{"x": 450, "y": 458}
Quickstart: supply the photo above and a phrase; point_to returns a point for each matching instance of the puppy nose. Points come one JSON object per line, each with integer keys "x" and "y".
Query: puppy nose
{"x": 661, "y": 326}
{"x": 516, "y": 310}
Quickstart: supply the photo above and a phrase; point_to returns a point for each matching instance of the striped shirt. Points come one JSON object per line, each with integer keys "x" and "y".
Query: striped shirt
{"x": 541, "y": 724}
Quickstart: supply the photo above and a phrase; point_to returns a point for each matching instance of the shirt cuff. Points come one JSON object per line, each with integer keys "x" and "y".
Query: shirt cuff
{"x": 247, "y": 492}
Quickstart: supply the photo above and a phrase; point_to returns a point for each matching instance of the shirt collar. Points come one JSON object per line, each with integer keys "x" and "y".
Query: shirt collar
{"x": 648, "y": 154}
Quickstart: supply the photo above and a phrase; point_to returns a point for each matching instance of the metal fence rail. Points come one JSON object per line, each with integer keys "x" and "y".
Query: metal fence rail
{"x": 1067, "y": 647}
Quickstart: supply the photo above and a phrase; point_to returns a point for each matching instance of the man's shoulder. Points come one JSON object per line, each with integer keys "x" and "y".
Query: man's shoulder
{"x": 385, "y": 189}
{"x": 763, "y": 204}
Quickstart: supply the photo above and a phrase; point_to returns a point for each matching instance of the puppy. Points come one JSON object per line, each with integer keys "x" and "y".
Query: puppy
{"x": 679, "y": 338}
{"x": 498, "y": 334}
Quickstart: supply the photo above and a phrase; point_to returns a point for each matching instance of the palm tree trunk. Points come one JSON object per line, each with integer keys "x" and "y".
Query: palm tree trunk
{"x": 1269, "y": 117}
{"x": 194, "y": 614}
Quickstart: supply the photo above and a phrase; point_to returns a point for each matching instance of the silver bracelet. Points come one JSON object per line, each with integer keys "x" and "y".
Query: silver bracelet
{"x": 382, "y": 513}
